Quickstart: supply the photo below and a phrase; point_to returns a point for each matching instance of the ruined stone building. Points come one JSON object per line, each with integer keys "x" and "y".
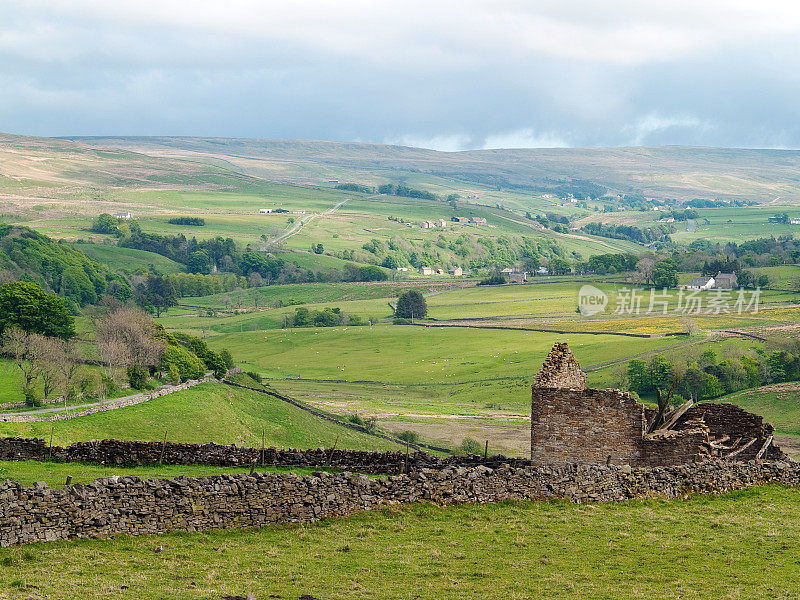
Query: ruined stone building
{"x": 571, "y": 423}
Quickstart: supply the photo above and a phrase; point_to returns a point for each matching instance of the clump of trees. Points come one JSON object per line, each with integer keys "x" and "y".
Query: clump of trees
{"x": 707, "y": 376}
{"x": 355, "y": 187}
{"x": 411, "y": 305}
{"x": 57, "y": 267}
{"x": 28, "y": 307}
{"x": 191, "y": 221}
{"x": 327, "y": 317}
{"x": 405, "y": 191}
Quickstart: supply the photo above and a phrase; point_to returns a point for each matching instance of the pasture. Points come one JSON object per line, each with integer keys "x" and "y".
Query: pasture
{"x": 740, "y": 545}
{"x": 210, "y": 412}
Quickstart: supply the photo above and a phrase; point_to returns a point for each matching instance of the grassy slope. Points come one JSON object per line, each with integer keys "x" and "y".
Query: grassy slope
{"x": 129, "y": 259}
{"x": 411, "y": 355}
{"x": 742, "y": 545}
{"x": 778, "y": 404}
{"x": 671, "y": 172}
{"x": 206, "y": 413}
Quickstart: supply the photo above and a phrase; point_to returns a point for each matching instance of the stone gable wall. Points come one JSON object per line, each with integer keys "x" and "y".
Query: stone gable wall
{"x": 586, "y": 426}
{"x": 129, "y": 505}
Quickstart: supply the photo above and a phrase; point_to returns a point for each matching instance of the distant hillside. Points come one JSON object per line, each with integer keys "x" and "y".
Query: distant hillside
{"x": 26, "y": 254}
{"x": 676, "y": 172}
{"x": 53, "y": 163}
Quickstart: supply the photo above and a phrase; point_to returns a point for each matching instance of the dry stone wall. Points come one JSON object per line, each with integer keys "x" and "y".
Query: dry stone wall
{"x": 135, "y": 453}
{"x": 129, "y": 505}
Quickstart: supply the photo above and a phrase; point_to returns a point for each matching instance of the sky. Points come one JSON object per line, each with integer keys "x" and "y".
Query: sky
{"x": 443, "y": 74}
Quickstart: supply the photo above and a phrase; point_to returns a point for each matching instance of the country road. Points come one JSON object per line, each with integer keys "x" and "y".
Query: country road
{"x": 299, "y": 224}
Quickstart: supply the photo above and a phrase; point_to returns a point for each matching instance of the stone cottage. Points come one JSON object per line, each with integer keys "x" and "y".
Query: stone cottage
{"x": 571, "y": 423}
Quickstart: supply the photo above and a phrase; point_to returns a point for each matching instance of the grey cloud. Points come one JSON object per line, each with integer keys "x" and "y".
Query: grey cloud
{"x": 447, "y": 75}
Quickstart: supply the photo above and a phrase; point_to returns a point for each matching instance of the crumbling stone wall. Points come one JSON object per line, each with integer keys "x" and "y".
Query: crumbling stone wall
{"x": 136, "y": 453}
{"x": 587, "y": 426}
{"x": 129, "y": 505}
{"x": 560, "y": 370}
{"x": 570, "y": 423}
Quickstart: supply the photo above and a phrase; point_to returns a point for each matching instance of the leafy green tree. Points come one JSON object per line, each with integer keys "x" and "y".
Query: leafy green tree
{"x": 664, "y": 274}
{"x": 638, "y": 377}
{"x": 137, "y": 377}
{"x": 411, "y": 305}
{"x": 390, "y": 262}
{"x": 105, "y": 223}
{"x": 29, "y": 307}
{"x": 559, "y": 266}
{"x": 661, "y": 372}
{"x": 711, "y": 387}
{"x": 186, "y": 363}
{"x": 199, "y": 262}
{"x": 227, "y": 358}
{"x": 158, "y": 291}
{"x": 302, "y": 318}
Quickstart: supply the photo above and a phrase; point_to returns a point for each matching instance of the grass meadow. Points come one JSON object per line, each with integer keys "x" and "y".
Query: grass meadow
{"x": 740, "y": 545}
{"x": 210, "y": 412}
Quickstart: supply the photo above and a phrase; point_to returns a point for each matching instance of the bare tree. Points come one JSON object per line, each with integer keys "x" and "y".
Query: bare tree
{"x": 48, "y": 353}
{"x": 70, "y": 366}
{"x": 126, "y": 337}
{"x": 21, "y": 347}
{"x": 644, "y": 270}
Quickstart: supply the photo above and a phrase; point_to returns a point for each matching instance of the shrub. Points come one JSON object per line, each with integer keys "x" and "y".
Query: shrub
{"x": 401, "y": 321}
{"x": 412, "y": 437}
{"x": 31, "y": 398}
{"x": 255, "y": 376}
{"x": 356, "y": 420}
{"x": 469, "y": 446}
{"x": 137, "y": 377}
{"x": 493, "y": 280}
{"x": 193, "y": 221}
{"x": 188, "y": 365}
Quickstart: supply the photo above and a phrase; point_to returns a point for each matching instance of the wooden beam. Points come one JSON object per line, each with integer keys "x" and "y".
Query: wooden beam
{"x": 764, "y": 448}
{"x": 674, "y": 416}
{"x": 742, "y": 449}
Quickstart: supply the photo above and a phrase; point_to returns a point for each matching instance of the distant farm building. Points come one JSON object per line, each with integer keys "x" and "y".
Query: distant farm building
{"x": 456, "y": 271}
{"x": 425, "y": 271}
{"x": 427, "y": 225}
{"x": 517, "y": 278}
{"x": 123, "y": 215}
{"x": 507, "y": 270}
{"x": 794, "y": 221}
{"x": 460, "y": 219}
{"x": 478, "y": 221}
{"x": 701, "y": 283}
{"x": 725, "y": 281}
{"x": 441, "y": 223}
{"x": 402, "y": 269}
{"x": 265, "y": 211}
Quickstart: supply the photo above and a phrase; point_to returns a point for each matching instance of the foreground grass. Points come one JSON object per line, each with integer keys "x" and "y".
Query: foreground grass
{"x": 54, "y": 474}
{"x": 742, "y": 545}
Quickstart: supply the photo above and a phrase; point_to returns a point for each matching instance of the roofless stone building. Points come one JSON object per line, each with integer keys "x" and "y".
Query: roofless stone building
{"x": 571, "y": 423}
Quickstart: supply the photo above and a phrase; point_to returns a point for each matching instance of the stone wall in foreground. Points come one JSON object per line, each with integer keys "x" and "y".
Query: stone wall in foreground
{"x": 129, "y": 505}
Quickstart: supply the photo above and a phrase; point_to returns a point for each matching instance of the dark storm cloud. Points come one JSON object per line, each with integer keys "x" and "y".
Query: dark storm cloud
{"x": 447, "y": 74}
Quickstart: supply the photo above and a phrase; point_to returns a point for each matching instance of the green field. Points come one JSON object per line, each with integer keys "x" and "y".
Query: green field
{"x": 209, "y": 412}
{"x": 740, "y": 545}
{"x": 129, "y": 259}
{"x": 414, "y": 355}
